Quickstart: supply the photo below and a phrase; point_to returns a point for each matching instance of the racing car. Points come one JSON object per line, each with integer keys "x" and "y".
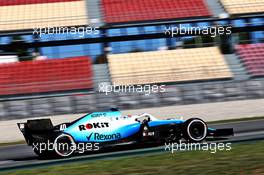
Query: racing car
{"x": 102, "y": 130}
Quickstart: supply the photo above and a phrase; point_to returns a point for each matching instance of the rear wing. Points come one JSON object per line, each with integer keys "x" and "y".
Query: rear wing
{"x": 21, "y": 127}
{"x": 34, "y": 127}
{"x": 24, "y": 129}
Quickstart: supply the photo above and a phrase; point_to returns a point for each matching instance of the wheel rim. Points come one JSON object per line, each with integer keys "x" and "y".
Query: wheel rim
{"x": 64, "y": 145}
{"x": 197, "y": 130}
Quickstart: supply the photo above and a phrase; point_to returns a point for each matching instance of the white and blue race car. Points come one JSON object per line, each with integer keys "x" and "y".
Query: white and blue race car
{"x": 102, "y": 130}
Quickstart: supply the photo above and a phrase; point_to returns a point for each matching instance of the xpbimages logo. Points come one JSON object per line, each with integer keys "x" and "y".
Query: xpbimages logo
{"x": 58, "y": 147}
{"x": 76, "y": 31}
{"x": 205, "y": 30}
{"x": 146, "y": 89}
{"x": 212, "y": 147}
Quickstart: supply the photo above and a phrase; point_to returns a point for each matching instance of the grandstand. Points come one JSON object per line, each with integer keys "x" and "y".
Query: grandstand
{"x": 45, "y": 76}
{"x": 252, "y": 56}
{"x": 25, "y": 14}
{"x": 132, "y": 49}
{"x": 117, "y": 11}
{"x": 180, "y": 65}
{"x": 234, "y": 7}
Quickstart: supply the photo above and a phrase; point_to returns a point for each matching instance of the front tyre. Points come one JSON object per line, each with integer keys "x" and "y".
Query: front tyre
{"x": 195, "y": 130}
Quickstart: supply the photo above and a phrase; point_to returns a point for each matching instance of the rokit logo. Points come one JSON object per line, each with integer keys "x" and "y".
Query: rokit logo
{"x": 104, "y": 137}
{"x": 93, "y": 125}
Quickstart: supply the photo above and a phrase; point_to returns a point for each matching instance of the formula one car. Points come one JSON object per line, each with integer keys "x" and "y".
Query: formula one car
{"x": 101, "y": 130}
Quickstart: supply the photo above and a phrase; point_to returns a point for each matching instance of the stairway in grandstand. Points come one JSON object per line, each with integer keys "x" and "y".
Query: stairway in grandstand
{"x": 239, "y": 72}
{"x": 216, "y": 7}
{"x": 93, "y": 10}
{"x": 101, "y": 75}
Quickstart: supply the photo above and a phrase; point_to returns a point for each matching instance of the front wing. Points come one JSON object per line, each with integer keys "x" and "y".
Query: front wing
{"x": 221, "y": 132}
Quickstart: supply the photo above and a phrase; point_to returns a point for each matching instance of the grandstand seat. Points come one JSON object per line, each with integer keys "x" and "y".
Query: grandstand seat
{"x": 25, "y": 2}
{"x": 30, "y": 14}
{"x": 168, "y": 66}
{"x": 252, "y": 56}
{"x": 243, "y": 6}
{"x": 117, "y": 11}
{"x": 45, "y": 76}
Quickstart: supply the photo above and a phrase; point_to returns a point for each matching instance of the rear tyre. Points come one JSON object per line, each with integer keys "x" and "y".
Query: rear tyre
{"x": 40, "y": 153}
{"x": 43, "y": 149}
{"x": 64, "y": 145}
{"x": 195, "y": 130}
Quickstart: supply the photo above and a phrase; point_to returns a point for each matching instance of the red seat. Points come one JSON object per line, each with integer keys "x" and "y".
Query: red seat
{"x": 46, "y": 76}
{"x": 117, "y": 11}
{"x": 252, "y": 56}
{"x": 25, "y": 2}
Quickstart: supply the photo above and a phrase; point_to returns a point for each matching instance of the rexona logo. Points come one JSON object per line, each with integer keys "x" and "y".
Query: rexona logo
{"x": 104, "y": 137}
{"x": 93, "y": 125}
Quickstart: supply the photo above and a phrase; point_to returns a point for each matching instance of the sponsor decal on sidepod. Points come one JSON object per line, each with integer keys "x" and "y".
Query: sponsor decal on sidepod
{"x": 104, "y": 137}
{"x": 93, "y": 125}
